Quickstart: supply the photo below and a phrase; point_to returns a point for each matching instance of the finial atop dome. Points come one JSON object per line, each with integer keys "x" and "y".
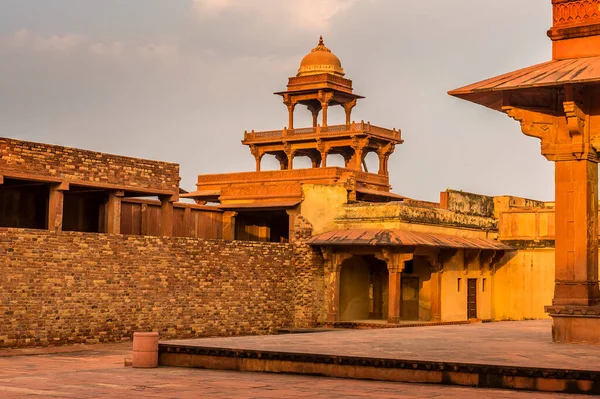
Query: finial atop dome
{"x": 320, "y": 60}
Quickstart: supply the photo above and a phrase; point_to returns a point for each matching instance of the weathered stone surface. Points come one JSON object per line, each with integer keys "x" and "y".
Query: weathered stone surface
{"x": 59, "y": 288}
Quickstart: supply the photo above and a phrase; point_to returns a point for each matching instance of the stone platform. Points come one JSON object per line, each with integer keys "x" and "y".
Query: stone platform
{"x": 518, "y": 355}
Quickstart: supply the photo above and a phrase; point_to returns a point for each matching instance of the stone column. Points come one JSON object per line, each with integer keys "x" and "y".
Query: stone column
{"x": 436, "y": 269}
{"x": 56, "y": 206}
{"x": 283, "y": 161}
{"x": 348, "y": 108}
{"x": 290, "y": 108}
{"x": 566, "y": 135}
{"x": 333, "y": 268}
{"x": 113, "y": 212}
{"x": 166, "y": 216}
{"x": 258, "y": 154}
{"x": 384, "y": 152}
{"x": 324, "y": 106}
{"x": 358, "y": 145}
{"x": 576, "y": 242}
{"x": 315, "y": 114}
{"x": 229, "y": 225}
{"x": 324, "y": 99}
{"x": 395, "y": 264}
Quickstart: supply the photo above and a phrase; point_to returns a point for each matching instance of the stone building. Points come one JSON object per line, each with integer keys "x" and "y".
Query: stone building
{"x": 96, "y": 246}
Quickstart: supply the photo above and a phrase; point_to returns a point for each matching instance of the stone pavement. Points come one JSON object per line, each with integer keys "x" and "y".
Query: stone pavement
{"x": 524, "y": 343}
{"x": 98, "y": 372}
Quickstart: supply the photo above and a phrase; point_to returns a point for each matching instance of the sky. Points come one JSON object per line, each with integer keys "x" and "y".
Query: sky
{"x": 181, "y": 80}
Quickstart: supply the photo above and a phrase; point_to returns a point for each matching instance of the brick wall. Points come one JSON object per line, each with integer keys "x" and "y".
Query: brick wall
{"x": 309, "y": 277}
{"x": 60, "y": 288}
{"x": 71, "y": 164}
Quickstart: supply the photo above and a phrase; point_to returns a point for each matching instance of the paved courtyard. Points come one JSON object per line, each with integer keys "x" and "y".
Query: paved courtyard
{"x": 98, "y": 372}
{"x": 525, "y": 343}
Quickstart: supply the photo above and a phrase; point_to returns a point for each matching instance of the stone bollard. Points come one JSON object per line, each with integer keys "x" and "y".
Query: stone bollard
{"x": 145, "y": 349}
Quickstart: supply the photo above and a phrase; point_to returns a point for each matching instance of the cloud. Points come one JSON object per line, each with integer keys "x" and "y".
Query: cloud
{"x": 114, "y": 48}
{"x": 300, "y": 13}
{"x": 209, "y": 8}
{"x": 162, "y": 51}
{"x": 157, "y": 49}
{"x": 23, "y": 38}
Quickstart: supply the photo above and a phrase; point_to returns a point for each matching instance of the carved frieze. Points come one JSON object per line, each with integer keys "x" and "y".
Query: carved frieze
{"x": 576, "y": 12}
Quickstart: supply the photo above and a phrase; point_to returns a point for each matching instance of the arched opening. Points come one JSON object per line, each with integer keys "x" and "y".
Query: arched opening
{"x": 269, "y": 162}
{"x": 363, "y": 289}
{"x": 336, "y": 115}
{"x": 302, "y": 162}
{"x": 336, "y": 160}
{"x": 372, "y": 162}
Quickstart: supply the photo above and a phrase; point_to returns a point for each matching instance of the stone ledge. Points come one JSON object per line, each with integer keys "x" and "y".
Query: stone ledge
{"x": 382, "y": 369}
{"x": 566, "y": 311}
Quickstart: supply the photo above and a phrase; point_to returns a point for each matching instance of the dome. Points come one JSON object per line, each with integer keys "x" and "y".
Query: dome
{"x": 320, "y": 60}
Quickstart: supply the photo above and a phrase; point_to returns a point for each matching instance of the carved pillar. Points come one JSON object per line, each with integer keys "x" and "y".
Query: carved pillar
{"x": 348, "y": 108}
{"x": 283, "y": 161}
{"x": 395, "y": 264}
{"x": 576, "y": 234}
{"x": 333, "y": 268}
{"x": 290, "y": 108}
{"x": 290, "y": 103}
{"x": 229, "y": 225}
{"x": 324, "y": 106}
{"x": 384, "y": 152}
{"x": 323, "y": 151}
{"x": 289, "y": 152}
{"x": 314, "y": 110}
{"x": 56, "y": 206}
{"x": 113, "y": 212}
{"x": 324, "y": 99}
{"x": 358, "y": 145}
{"x": 258, "y": 155}
{"x": 564, "y": 130}
{"x": 166, "y": 216}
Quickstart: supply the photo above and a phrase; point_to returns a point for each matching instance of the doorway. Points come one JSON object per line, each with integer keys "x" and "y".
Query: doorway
{"x": 410, "y": 298}
{"x": 363, "y": 289}
{"x": 472, "y": 298}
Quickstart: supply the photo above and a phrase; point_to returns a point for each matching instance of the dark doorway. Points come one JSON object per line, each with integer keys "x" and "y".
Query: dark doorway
{"x": 472, "y": 298}
{"x": 84, "y": 211}
{"x": 265, "y": 226}
{"x": 410, "y": 298}
{"x": 24, "y": 204}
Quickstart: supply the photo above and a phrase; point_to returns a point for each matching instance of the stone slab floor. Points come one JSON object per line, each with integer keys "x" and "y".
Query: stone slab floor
{"x": 98, "y": 372}
{"x": 524, "y": 343}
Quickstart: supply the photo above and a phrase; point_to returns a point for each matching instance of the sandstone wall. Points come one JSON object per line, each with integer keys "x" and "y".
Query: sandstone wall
{"x": 75, "y": 165}
{"x": 60, "y": 288}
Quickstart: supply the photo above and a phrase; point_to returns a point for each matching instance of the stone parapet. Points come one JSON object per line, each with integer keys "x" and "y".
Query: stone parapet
{"x": 24, "y": 159}
{"x": 397, "y": 212}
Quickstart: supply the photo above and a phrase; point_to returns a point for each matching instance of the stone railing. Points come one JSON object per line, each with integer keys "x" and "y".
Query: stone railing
{"x": 323, "y": 132}
{"x": 331, "y": 174}
{"x": 372, "y": 178}
{"x": 319, "y": 78}
{"x": 568, "y": 12}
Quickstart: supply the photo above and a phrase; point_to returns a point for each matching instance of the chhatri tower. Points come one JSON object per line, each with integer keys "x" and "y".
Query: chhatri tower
{"x": 320, "y": 83}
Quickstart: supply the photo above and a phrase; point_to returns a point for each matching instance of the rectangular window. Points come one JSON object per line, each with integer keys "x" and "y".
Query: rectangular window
{"x": 483, "y": 285}
{"x": 459, "y": 285}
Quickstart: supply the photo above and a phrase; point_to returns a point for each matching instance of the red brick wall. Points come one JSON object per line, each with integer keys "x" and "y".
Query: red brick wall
{"x": 72, "y": 164}
{"x": 60, "y": 288}
{"x": 309, "y": 277}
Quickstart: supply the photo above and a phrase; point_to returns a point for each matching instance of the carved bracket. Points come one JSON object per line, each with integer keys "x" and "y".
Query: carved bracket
{"x": 533, "y": 124}
{"x": 334, "y": 260}
{"x": 395, "y": 260}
